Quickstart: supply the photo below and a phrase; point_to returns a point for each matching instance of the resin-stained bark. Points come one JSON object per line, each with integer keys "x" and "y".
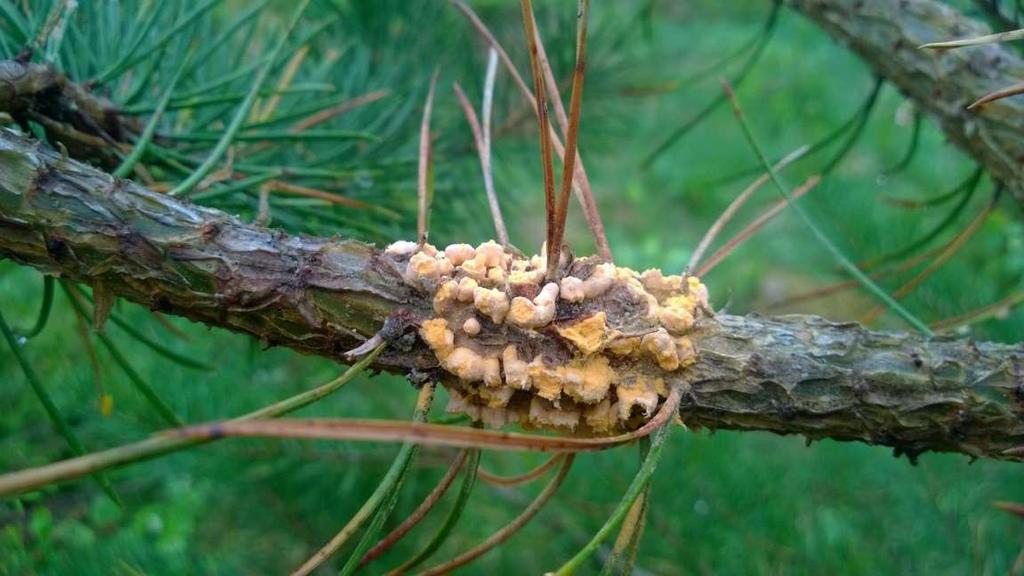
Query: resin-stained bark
{"x": 323, "y": 296}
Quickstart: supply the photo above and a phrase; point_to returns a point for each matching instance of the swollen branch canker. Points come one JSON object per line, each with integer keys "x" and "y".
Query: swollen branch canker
{"x": 589, "y": 353}
{"x": 790, "y": 375}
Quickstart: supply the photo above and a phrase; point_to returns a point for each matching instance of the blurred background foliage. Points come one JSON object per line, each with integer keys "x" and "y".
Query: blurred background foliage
{"x": 723, "y": 503}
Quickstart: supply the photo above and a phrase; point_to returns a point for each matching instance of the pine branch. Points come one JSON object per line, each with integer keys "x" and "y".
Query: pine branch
{"x": 789, "y": 375}
{"x": 888, "y": 34}
{"x": 89, "y": 126}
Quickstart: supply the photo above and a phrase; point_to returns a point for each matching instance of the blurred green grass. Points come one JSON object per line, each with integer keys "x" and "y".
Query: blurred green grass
{"x": 723, "y": 503}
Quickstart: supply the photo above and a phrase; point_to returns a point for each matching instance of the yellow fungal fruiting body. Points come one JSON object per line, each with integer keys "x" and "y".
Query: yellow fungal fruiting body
{"x": 588, "y": 334}
{"x": 471, "y": 326}
{"x": 535, "y": 313}
{"x": 491, "y": 302}
{"x": 590, "y": 352}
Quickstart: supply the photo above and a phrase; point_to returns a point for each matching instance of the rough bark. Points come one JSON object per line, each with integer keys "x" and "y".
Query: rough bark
{"x": 88, "y": 125}
{"x": 790, "y": 375}
{"x": 887, "y": 35}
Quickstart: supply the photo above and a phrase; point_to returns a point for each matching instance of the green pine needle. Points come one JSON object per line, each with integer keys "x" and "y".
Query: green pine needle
{"x": 378, "y": 502}
{"x": 439, "y": 537}
{"x": 133, "y": 56}
{"x": 241, "y": 114}
{"x": 126, "y": 166}
{"x": 12, "y": 15}
{"x": 229, "y": 98}
{"x": 277, "y": 135}
{"x": 840, "y": 258}
{"x": 134, "y": 377}
{"x": 636, "y": 487}
{"x": 44, "y": 309}
{"x": 157, "y": 347}
{"x": 209, "y": 48}
{"x": 56, "y": 418}
{"x": 158, "y": 445}
{"x": 748, "y": 65}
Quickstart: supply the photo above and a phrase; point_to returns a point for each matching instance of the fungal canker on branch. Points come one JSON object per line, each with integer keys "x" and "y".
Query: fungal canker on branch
{"x": 589, "y": 353}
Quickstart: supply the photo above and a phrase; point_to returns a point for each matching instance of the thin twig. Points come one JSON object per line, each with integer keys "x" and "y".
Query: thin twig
{"x": 425, "y": 434}
{"x": 401, "y": 431}
{"x": 32, "y": 478}
{"x": 423, "y": 172}
{"x": 371, "y": 430}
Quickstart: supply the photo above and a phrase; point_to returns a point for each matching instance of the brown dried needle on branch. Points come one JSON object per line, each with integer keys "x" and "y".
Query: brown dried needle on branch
{"x": 541, "y": 106}
{"x": 484, "y": 152}
{"x": 581, "y": 185}
{"x": 423, "y": 171}
{"x": 571, "y": 136}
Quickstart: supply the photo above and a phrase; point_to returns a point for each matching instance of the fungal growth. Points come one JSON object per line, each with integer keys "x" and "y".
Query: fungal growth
{"x": 589, "y": 352}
